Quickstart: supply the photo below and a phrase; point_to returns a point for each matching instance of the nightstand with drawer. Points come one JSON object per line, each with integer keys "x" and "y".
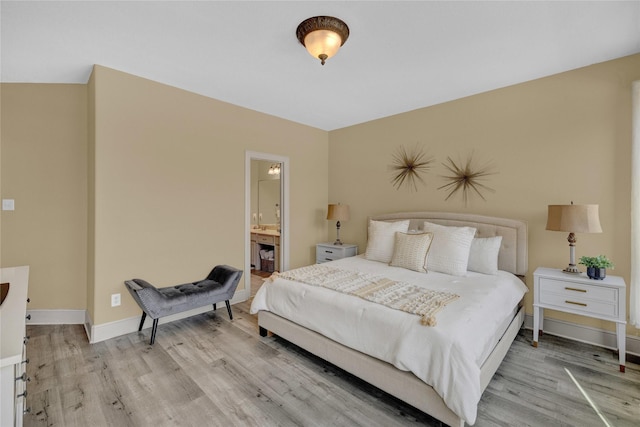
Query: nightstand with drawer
{"x": 326, "y": 252}
{"x": 577, "y": 294}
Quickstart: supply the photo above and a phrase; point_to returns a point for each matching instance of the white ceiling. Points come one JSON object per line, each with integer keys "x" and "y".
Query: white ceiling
{"x": 400, "y": 56}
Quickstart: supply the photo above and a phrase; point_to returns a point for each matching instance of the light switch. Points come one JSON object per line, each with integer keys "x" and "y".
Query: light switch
{"x": 8, "y": 204}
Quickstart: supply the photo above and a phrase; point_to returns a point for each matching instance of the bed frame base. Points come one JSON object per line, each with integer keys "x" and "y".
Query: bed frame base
{"x": 401, "y": 384}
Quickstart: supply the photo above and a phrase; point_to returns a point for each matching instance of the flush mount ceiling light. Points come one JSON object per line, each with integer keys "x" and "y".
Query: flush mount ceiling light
{"x": 322, "y": 36}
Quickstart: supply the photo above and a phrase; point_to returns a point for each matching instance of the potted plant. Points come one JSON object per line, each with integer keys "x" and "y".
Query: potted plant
{"x": 596, "y": 266}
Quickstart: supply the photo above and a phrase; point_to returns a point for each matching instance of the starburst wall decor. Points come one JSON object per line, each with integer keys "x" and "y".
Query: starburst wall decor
{"x": 465, "y": 178}
{"x": 408, "y": 167}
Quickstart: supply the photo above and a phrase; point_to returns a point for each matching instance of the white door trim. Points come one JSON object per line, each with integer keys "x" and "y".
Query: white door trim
{"x": 284, "y": 212}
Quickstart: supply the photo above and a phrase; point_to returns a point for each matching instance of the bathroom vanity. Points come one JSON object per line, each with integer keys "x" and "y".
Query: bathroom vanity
{"x": 265, "y": 240}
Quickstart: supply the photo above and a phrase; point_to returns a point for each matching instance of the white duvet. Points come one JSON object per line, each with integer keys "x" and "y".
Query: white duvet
{"x": 447, "y": 356}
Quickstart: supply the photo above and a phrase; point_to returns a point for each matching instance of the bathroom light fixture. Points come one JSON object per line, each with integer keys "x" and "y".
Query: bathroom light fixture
{"x": 322, "y": 36}
{"x": 573, "y": 219}
{"x": 274, "y": 169}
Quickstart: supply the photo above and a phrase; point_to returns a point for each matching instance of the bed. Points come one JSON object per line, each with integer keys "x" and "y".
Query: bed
{"x": 440, "y": 368}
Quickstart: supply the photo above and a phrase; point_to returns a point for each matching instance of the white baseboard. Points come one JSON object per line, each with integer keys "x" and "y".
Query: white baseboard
{"x": 584, "y": 334}
{"x": 88, "y": 324}
{"x": 56, "y": 317}
{"x": 105, "y": 331}
{"x": 117, "y": 328}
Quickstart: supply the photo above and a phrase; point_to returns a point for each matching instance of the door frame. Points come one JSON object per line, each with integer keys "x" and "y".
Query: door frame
{"x": 284, "y": 212}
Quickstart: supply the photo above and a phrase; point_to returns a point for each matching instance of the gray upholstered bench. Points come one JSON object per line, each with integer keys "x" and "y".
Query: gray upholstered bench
{"x": 219, "y": 285}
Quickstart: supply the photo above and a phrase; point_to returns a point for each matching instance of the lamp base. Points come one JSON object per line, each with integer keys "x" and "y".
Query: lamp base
{"x": 337, "y": 242}
{"x": 571, "y": 269}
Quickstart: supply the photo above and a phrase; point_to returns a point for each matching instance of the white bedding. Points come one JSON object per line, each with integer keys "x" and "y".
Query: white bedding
{"x": 447, "y": 357}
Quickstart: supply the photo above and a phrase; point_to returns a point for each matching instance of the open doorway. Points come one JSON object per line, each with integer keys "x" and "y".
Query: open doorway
{"x": 267, "y": 219}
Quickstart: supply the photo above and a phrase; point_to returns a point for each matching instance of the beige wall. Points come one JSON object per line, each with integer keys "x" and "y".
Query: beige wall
{"x": 44, "y": 168}
{"x": 170, "y": 181}
{"x": 126, "y": 177}
{"x": 553, "y": 140}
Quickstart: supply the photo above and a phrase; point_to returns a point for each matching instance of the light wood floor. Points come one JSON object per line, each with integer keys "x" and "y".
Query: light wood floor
{"x": 209, "y": 371}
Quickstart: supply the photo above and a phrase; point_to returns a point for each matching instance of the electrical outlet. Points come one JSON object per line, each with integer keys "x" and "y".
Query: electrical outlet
{"x": 115, "y": 300}
{"x": 8, "y": 204}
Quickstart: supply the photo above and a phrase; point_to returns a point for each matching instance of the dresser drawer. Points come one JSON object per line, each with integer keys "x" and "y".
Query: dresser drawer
{"x": 266, "y": 240}
{"x": 584, "y": 306}
{"x": 580, "y": 291}
{"x": 328, "y": 252}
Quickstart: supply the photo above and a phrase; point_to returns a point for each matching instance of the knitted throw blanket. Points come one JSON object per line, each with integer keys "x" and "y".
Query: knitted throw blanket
{"x": 397, "y": 295}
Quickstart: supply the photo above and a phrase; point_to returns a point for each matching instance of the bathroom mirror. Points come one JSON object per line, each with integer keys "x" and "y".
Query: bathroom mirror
{"x": 269, "y": 201}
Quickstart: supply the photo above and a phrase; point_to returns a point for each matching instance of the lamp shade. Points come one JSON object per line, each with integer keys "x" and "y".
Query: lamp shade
{"x": 338, "y": 212}
{"x": 574, "y": 218}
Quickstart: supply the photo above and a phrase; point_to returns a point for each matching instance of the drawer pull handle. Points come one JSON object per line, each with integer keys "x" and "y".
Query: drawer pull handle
{"x": 575, "y": 289}
{"x": 329, "y": 252}
{"x": 576, "y": 303}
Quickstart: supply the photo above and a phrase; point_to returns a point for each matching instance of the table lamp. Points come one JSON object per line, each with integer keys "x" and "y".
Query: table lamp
{"x": 573, "y": 219}
{"x": 338, "y": 213}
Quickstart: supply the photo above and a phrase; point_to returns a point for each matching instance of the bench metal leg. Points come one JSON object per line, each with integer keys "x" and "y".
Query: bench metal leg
{"x": 154, "y": 328}
{"x": 229, "y": 309}
{"x": 214, "y": 307}
{"x": 144, "y": 316}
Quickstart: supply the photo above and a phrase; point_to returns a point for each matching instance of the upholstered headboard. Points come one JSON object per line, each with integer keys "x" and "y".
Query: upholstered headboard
{"x": 513, "y": 251}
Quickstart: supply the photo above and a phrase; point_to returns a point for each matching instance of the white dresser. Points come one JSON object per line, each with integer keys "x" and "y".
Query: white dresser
{"x": 13, "y": 377}
{"x": 577, "y": 294}
{"x": 326, "y": 252}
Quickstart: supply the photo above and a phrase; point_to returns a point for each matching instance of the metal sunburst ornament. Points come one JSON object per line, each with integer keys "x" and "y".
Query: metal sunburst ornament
{"x": 464, "y": 178}
{"x": 408, "y": 166}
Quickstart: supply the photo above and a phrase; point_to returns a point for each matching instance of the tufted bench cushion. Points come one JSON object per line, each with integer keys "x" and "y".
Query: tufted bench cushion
{"x": 218, "y": 286}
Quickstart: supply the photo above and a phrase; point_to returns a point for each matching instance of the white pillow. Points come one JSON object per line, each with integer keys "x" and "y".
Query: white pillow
{"x": 450, "y": 248}
{"x": 483, "y": 256}
{"x": 381, "y": 239}
{"x": 410, "y": 251}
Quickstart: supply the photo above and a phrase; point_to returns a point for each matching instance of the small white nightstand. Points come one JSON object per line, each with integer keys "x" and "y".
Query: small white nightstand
{"x": 326, "y": 252}
{"x": 577, "y": 294}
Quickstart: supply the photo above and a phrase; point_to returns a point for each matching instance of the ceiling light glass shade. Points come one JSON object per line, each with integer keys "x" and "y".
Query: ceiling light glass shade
{"x": 322, "y": 44}
{"x": 322, "y": 36}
